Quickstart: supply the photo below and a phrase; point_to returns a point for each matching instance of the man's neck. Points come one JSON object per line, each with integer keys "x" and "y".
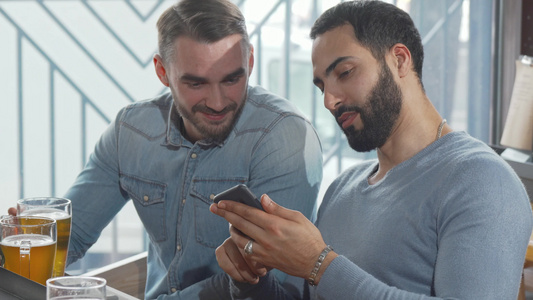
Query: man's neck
{"x": 411, "y": 134}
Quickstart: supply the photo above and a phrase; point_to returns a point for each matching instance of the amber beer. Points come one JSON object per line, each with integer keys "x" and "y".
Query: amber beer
{"x": 28, "y": 246}
{"x": 59, "y": 209}
{"x": 40, "y": 258}
{"x": 63, "y": 220}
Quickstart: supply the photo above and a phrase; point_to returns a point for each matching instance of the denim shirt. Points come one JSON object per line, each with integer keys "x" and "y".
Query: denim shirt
{"x": 143, "y": 156}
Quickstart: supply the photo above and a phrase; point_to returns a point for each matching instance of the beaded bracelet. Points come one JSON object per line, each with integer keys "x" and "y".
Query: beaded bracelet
{"x": 318, "y": 263}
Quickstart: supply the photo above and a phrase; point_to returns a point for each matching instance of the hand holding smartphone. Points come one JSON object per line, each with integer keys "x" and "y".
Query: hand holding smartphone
{"x": 239, "y": 193}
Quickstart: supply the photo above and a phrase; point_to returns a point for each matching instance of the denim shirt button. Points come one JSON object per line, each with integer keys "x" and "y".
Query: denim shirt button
{"x": 173, "y": 290}
{"x": 146, "y": 198}
{"x": 212, "y": 196}
{"x": 179, "y": 248}
{"x": 183, "y": 201}
{"x": 194, "y": 155}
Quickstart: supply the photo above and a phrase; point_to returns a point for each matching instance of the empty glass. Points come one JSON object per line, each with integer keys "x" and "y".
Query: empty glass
{"x": 76, "y": 287}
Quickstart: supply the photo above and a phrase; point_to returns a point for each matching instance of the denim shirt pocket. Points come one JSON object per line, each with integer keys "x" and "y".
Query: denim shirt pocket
{"x": 149, "y": 200}
{"x": 210, "y": 229}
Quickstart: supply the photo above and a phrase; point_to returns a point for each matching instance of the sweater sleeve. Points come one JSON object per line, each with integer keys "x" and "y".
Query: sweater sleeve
{"x": 483, "y": 227}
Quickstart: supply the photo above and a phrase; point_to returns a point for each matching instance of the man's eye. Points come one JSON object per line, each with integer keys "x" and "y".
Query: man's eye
{"x": 233, "y": 80}
{"x": 345, "y": 73}
{"x": 194, "y": 85}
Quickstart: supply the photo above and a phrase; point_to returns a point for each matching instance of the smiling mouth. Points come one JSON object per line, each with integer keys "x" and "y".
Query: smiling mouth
{"x": 215, "y": 117}
{"x": 347, "y": 118}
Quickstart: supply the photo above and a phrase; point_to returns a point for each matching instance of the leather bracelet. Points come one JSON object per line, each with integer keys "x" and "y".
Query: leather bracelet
{"x": 318, "y": 264}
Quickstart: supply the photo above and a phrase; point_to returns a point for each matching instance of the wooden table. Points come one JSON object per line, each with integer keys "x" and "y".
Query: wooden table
{"x": 127, "y": 276}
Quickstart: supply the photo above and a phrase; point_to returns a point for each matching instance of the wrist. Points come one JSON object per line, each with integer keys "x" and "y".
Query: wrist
{"x": 331, "y": 256}
{"x": 323, "y": 261}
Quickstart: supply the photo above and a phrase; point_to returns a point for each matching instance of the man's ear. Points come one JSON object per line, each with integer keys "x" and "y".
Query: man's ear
{"x": 402, "y": 59}
{"x": 160, "y": 69}
{"x": 251, "y": 60}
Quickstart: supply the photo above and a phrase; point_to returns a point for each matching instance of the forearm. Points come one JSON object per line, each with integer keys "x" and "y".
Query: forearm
{"x": 96, "y": 199}
{"x": 343, "y": 279}
{"x": 96, "y": 195}
{"x": 480, "y": 257}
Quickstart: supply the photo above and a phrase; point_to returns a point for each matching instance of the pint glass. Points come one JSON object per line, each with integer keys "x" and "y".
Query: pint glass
{"x": 28, "y": 246}
{"x": 76, "y": 287}
{"x": 59, "y": 209}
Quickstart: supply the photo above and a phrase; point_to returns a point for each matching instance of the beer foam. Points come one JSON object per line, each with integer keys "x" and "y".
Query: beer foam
{"x": 36, "y": 240}
{"x": 55, "y": 214}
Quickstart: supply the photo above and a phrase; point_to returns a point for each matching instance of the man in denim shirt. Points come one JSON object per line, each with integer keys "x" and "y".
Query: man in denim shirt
{"x": 173, "y": 153}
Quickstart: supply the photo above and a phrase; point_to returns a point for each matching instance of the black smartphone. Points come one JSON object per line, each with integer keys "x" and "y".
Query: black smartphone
{"x": 240, "y": 193}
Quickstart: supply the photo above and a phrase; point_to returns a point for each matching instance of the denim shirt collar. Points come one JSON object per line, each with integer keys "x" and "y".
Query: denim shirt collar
{"x": 174, "y": 136}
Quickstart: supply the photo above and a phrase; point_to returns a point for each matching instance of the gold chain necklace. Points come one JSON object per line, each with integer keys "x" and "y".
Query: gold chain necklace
{"x": 439, "y": 131}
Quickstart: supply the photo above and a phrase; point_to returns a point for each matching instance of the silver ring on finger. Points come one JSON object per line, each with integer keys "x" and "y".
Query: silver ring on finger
{"x": 248, "y": 248}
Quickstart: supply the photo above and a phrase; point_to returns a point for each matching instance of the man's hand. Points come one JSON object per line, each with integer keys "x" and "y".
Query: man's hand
{"x": 237, "y": 264}
{"x": 283, "y": 239}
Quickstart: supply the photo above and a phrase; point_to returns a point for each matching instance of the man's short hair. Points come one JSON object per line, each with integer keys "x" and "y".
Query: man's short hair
{"x": 377, "y": 25}
{"x": 206, "y": 21}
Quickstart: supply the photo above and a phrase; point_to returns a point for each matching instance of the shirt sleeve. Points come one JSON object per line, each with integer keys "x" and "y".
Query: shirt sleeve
{"x": 222, "y": 287}
{"x": 269, "y": 288}
{"x": 213, "y": 288}
{"x": 287, "y": 165}
{"x": 96, "y": 195}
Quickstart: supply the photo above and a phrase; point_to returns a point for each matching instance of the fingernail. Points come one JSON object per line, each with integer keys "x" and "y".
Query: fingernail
{"x": 268, "y": 200}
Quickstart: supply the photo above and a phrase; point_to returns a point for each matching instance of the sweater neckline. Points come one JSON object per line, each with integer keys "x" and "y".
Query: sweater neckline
{"x": 414, "y": 159}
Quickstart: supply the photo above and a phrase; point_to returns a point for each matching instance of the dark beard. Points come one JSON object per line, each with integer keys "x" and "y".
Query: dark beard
{"x": 379, "y": 114}
{"x": 212, "y": 134}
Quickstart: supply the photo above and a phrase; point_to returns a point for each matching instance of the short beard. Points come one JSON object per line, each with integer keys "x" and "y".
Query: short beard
{"x": 213, "y": 133}
{"x": 378, "y": 115}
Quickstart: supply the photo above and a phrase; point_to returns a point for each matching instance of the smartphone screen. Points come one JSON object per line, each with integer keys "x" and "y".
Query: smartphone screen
{"x": 239, "y": 193}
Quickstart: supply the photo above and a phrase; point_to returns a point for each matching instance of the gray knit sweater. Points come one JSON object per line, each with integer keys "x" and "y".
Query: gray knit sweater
{"x": 452, "y": 222}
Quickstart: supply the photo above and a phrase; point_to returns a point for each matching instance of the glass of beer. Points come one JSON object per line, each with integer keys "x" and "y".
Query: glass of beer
{"x": 59, "y": 209}
{"x": 28, "y": 246}
{"x": 76, "y": 287}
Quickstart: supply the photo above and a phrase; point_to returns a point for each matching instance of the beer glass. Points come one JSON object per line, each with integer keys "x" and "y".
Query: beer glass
{"x": 59, "y": 209}
{"x": 28, "y": 246}
{"x": 76, "y": 287}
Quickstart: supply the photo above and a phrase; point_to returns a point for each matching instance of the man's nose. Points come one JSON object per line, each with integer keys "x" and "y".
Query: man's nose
{"x": 215, "y": 99}
{"x": 332, "y": 99}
